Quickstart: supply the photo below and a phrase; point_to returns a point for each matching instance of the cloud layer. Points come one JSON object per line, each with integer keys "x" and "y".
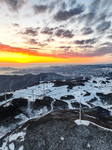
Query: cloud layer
{"x": 14, "y": 5}
{"x": 59, "y": 28}
{"x": 64, "y": 15}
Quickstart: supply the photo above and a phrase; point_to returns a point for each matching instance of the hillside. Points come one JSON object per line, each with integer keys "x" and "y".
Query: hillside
{"x": 46, "y": 116}
{"x": 15, "y": 82}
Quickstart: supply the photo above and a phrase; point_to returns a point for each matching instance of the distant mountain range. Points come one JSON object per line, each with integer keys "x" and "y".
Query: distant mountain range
{"x": 15, "y": 82}
{"x": 65, "y": 70}
{"x": 7, "y": 68}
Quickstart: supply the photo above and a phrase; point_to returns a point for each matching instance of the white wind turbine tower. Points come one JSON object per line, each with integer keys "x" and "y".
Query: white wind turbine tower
{"x": 73, "y": 75}
{"x": 5, "y": 95}
{"x": 80, "y": 107}
{"x": 80, "y": 98}
{"x": 10, "y": 87}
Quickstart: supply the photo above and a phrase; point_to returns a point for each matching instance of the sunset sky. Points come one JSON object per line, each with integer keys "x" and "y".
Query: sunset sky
{"x": 55, "y": 31}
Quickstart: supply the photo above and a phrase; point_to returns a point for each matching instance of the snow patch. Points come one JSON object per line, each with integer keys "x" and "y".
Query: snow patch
{"x": 88, "y": 145}
{"x": 62, "y": 138}
{"x": 11, "y": 146}
{"x": 15, "y": 136}
{"x": 82, "y": 122}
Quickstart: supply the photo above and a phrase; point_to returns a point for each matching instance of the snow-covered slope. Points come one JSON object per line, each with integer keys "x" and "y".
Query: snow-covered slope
{"x": 94, "y": 94}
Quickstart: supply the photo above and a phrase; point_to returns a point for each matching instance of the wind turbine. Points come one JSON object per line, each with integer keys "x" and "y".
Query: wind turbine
{"x": 80, "y": 107}
{"x": 73, "y": 75}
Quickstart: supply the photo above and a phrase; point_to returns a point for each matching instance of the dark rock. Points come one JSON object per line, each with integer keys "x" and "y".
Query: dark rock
{"x": 76, "y": 105}
{"x": 105, "y": 99}
{"x": 70, "y": 86}
{"x": 60, "y": 105}
{"x": 93, "y": 100}
{"x": 103, "y": 82}
{"x": 60, "y": 83}
{"x": 87, "y": 94}
{"x": 94, "y": 81}
{"x": 100, "y": 112}
{"x": 110, "y": 74}
{"x": 82, "y": 79}
{"x": 79, "y": 84}
{"x": 9, "y": 111}
{"x": 8, "y": 96}
{"x": 68, "y": 97}
{"x": 20, "y": 102}
{"x": 38, "y": 104}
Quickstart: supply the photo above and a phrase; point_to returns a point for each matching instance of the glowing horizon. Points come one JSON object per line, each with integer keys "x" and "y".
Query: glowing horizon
{"x": 19, "y": 55}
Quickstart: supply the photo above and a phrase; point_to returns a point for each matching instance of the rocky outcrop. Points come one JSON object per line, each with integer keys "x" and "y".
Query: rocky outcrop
{"x": 20, "y": 102}
{"x": 76, "y": 105}
{"x": 99, "y": 111}
{"x": 93, "y": 100}
{"x": 8, "y": 112}
{"x": 87, "y": 93}
{"x": 67, "y": 97}
{"x": 103, "y": 82}
{"x": 46, "y": 101}
{"x": 4, "y": 97}
{"x": 12, "y": 109}
{"x": 94, "y": 81}
{"x": 60, "y": 83}
{"x": 105, "y": 99}
{"x": 60, "y": 105}
{"x": 70, "y": 84}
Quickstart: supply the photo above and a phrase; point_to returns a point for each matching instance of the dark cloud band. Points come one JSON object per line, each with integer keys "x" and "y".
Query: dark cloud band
{"x": 64, "y": 15}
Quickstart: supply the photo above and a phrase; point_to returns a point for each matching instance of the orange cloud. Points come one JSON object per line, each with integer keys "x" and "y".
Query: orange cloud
{"x": 7, "y": 48}
{"x": 20, "y": 55}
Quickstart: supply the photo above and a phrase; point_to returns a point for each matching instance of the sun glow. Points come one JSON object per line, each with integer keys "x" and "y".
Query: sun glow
{"x": 25, "y": 58}
{"x": 10, "y": 57}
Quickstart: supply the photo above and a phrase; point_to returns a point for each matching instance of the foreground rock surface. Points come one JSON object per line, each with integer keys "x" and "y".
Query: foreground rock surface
{"x": 59, "y": 132}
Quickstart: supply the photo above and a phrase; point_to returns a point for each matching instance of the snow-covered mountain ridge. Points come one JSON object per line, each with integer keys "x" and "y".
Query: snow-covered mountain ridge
{"x": 22, "y": 107}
